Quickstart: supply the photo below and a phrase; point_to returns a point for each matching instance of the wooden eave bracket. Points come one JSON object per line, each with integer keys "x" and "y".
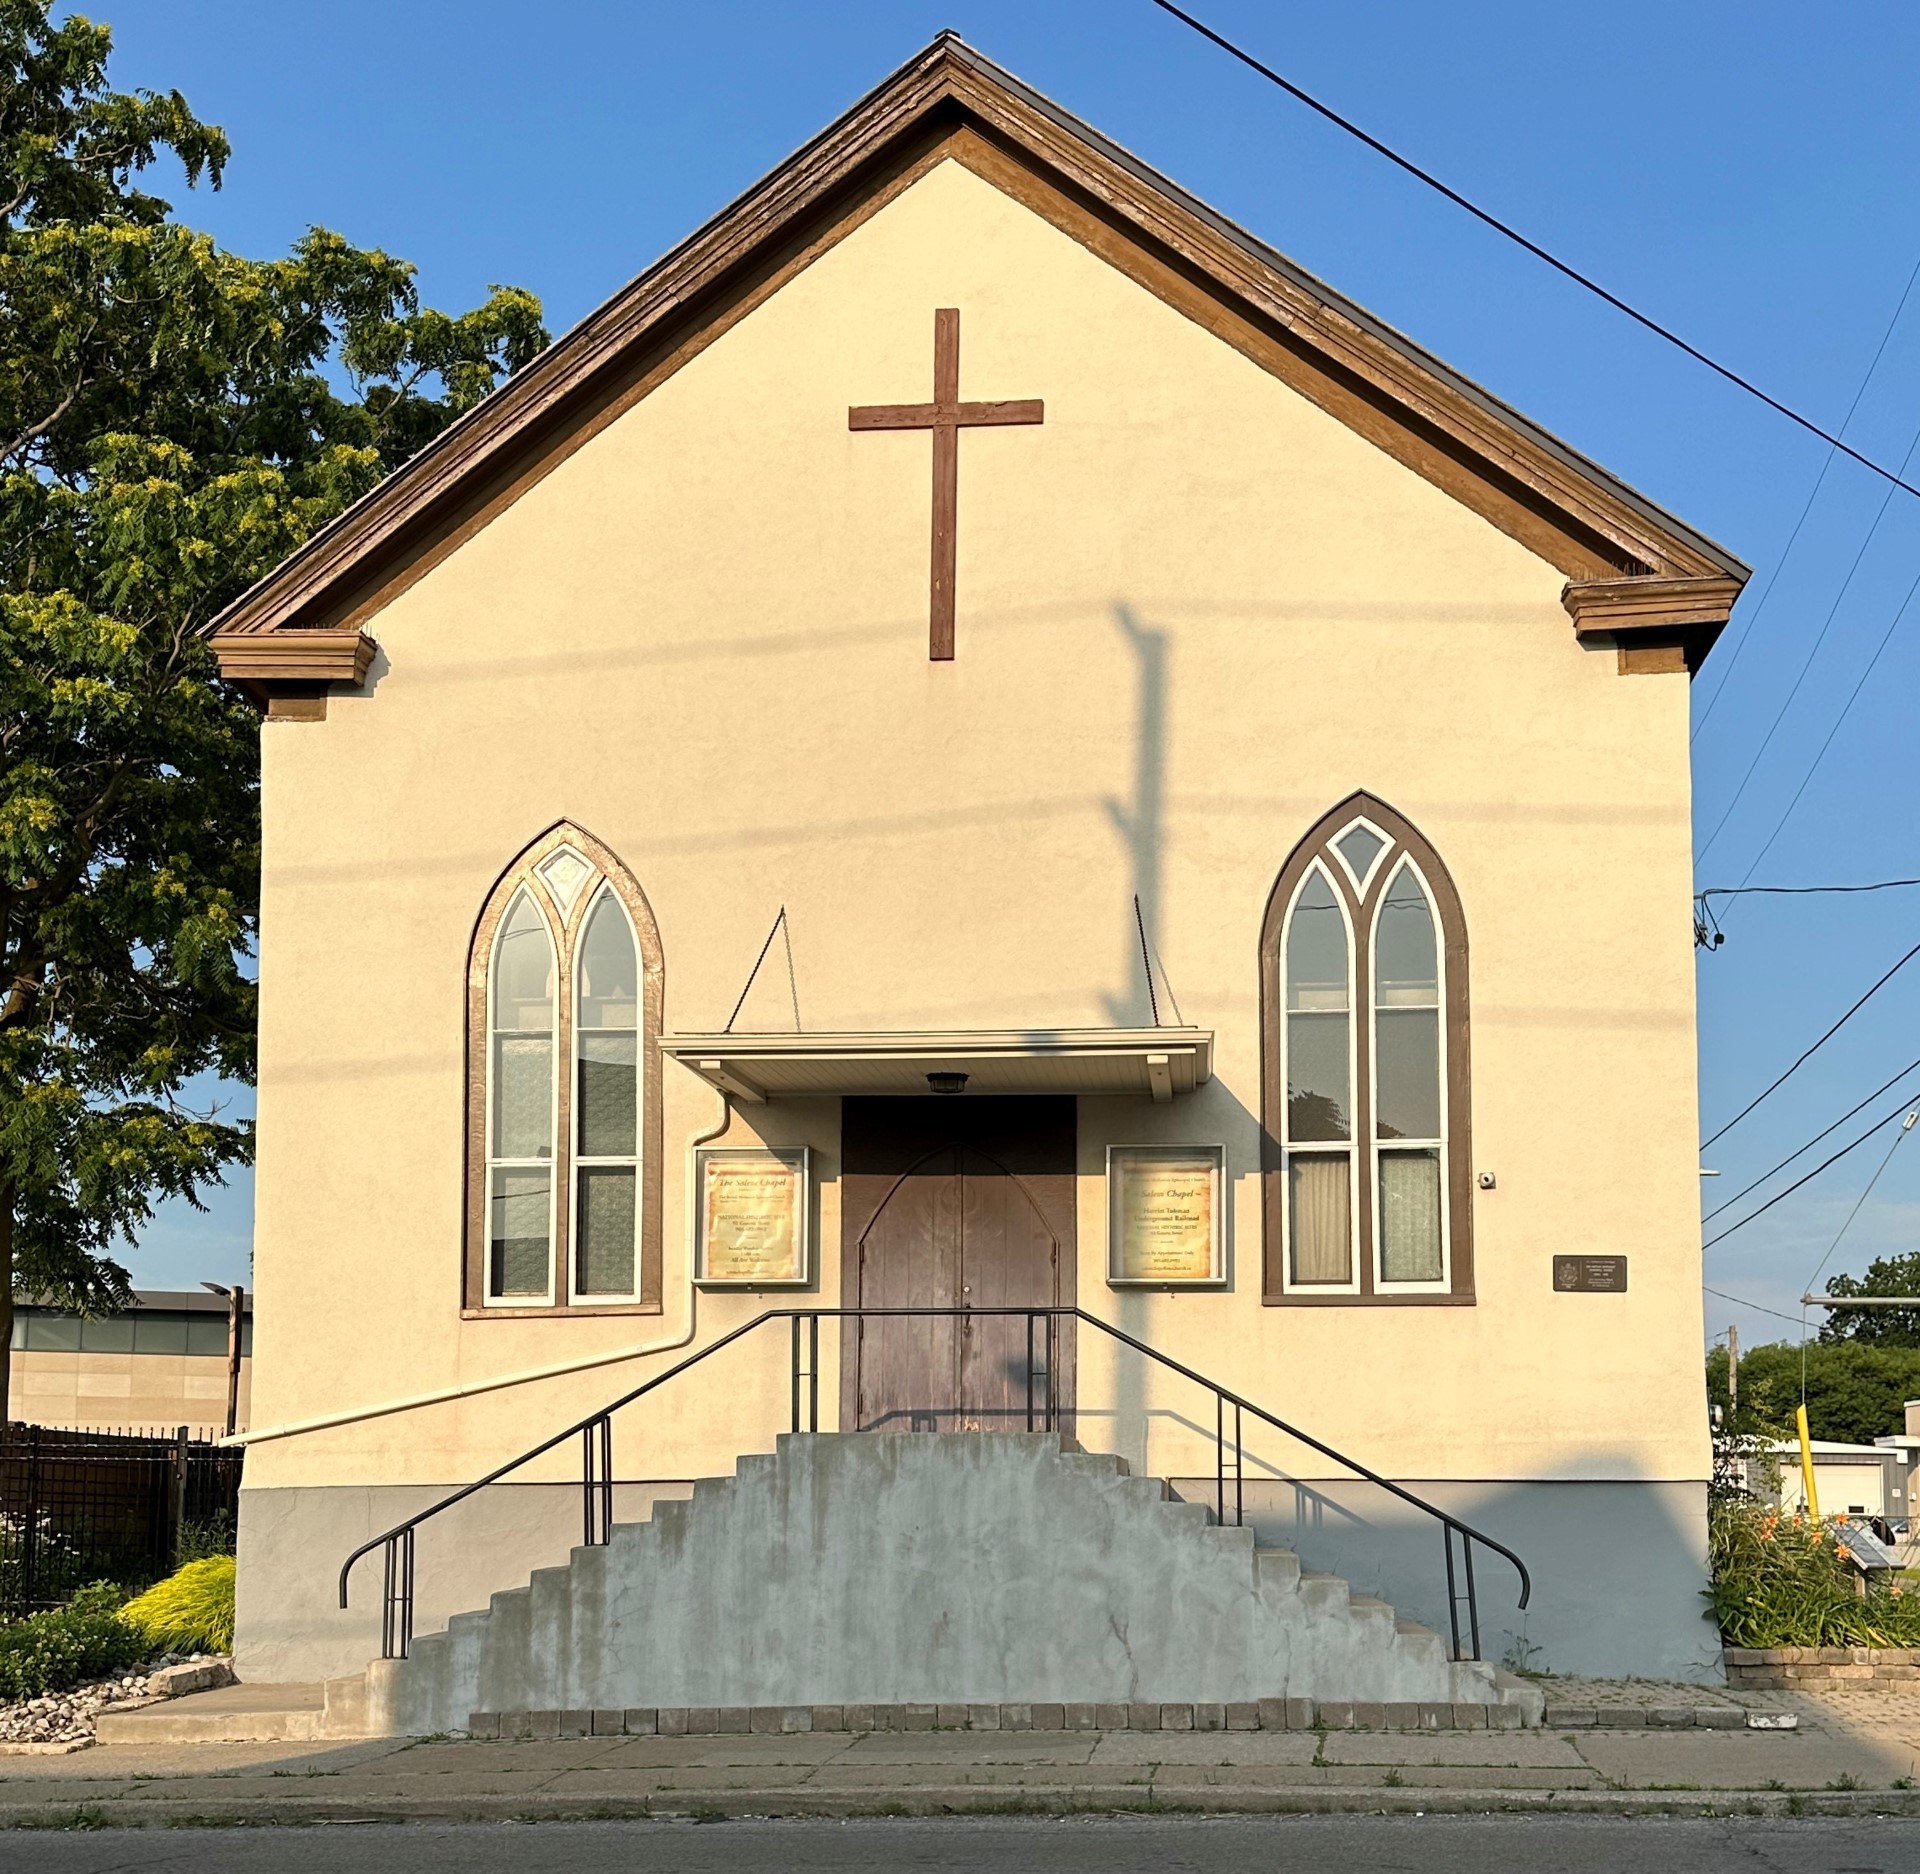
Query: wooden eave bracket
{"x": 1659, "y": 623}
{"x": 287, "y": 673}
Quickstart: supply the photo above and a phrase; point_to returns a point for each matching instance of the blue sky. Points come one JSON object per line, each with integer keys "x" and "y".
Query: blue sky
{"x": 1743, "y": 172}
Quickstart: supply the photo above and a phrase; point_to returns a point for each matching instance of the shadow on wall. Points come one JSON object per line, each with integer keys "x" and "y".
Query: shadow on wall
{"x": 1619, "y": 1568}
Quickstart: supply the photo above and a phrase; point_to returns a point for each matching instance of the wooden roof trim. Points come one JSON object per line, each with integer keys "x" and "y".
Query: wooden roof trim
{"x": 945, "y": 89}
{"x": 1345, "y": 335}
{"x": 1659, "y": 625}
{"x": 1611, "y": 606}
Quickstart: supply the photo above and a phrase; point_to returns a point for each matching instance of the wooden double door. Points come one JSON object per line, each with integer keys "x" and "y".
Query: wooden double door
{"x": 966, "y": 1204}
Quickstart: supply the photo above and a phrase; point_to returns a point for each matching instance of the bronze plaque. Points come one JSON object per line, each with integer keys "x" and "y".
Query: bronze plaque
{"x": 1590, "y": 1275}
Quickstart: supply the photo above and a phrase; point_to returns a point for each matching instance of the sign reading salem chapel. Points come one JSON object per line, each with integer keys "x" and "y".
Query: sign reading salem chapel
{"x": 753, "y": 1217}
{"x": 1163, "y": 1214}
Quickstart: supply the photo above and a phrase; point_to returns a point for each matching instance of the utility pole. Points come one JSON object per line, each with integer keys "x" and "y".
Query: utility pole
{"x": 1733, "y": 1372}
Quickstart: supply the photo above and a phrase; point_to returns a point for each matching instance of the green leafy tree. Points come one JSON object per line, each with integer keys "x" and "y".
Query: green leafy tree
{"x": 1877, "y": 1327}
{"x": 1856, "y": 1392}
{"x": 174, "y": 419}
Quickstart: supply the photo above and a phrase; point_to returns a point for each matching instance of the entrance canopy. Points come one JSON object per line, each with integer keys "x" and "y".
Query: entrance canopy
{"x": 1153, "y": 1063}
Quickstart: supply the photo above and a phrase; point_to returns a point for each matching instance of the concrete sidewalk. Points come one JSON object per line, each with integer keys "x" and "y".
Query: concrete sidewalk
{"x": 1853, "y": 1753}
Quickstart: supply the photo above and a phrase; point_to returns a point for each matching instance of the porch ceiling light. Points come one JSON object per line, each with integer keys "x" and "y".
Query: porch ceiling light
{"x": 946, "y": 1083}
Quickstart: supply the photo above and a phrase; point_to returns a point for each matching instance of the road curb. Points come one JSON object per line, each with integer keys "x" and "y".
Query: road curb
{"x": 948, "y": 1799}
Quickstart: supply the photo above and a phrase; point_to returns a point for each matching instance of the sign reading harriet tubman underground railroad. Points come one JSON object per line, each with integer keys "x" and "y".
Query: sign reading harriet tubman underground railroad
{"x": 1590, "y": 1275}
{"x": 753, "y": 1217}
{"x": 1163, "y": 1213}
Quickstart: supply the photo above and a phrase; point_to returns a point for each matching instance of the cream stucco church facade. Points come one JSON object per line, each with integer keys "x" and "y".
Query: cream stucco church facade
{"x": 971, "y": 618}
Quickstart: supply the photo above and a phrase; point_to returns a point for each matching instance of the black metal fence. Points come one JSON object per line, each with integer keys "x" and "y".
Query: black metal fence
{"x": 89, "y": 1506}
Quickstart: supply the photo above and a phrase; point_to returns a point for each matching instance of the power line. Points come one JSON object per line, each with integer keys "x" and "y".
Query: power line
{"x": 1780, "y": 1197}
{"x": 1533, "y": 247}
{"x": 1741, "y": 1301}
{"x": 1815, "y": 1049}
{"x": 1706, "y": 926}
{"x": 1860, "y": 1201}
{"x": 1806, "y": 664}
{"x": 1798, "y": 891}
{"x": 1751, "y": 617}
{"x": 1811, "y": 1143}
{"x": 1886, "y": 637}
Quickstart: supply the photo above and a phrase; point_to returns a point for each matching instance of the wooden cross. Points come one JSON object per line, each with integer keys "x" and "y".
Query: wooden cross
{"x": 946, "y": 416}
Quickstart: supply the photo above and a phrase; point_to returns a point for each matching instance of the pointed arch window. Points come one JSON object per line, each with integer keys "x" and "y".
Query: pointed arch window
{"x": 1364, "y": 1041}
{"x": 565, "y": 993}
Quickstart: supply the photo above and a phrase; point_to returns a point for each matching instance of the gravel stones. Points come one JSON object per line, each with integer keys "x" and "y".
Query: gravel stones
{"x": 67, "y": 1717}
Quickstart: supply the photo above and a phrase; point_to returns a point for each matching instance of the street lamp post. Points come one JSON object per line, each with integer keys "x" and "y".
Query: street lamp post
{"x": 236, "y": 1315}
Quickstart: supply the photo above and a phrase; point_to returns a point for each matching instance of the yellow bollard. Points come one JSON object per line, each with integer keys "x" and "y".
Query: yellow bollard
{"x": 1806, "y": 1468}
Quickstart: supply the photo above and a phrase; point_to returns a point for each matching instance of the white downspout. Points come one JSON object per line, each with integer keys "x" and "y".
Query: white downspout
{"x": 295, "y": 1428}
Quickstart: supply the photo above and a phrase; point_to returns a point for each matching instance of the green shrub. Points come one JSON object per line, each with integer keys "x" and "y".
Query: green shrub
{"x": 197, "y": 1541}
{"x": 65, "y": 1647}
{"x": 191, "y": 1611}
{"x": 1779, "y": 1581}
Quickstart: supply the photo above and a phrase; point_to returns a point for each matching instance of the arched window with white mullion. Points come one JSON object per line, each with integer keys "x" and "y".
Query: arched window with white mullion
{"x": 607, "y": 1106}
{"x": 1318, "y": 1040}
{"x": 566, "y": 992}
{"x": 522, "y": 1107}
{"x": 1409, "y": 1087}
{"x": 1364, "y": 1089}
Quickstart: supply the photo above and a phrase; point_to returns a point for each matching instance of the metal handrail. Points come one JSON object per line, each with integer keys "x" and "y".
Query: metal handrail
{"x": 596, "y": 1434}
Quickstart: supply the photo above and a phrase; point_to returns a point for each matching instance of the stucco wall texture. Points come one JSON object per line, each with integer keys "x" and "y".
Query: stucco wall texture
{"x": 1194, "y": 612}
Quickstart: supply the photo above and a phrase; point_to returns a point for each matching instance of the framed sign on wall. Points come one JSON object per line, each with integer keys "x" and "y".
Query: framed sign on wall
{"x": 752, "y": 1229}
{"x": 1165, "y": 1227}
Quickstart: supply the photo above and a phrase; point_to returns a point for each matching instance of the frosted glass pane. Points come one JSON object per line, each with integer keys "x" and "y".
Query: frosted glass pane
{"x": 1316, "y": 957}
{"x": 609, "y": 973}
{"x": 1410, "y": 1217}
{"x": 1318, "y": 1092}
{"x": 1319, "y": 1219}
{"x": 609, "y": 1093}
{"x": 603, "y": 1251}
{"x": 520, "y": 1220}
{"x": 1405, "y": 957}
{"x": 565, "y": 873}
{"x": 1406, "y": 1094}
{"x": 523, "y": 971}
{"x": 522, "y": 1096}
{"x": 1359, "y": 846}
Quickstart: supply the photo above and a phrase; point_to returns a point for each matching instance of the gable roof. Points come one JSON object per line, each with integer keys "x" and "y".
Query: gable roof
{"x": 1637, "y": 576}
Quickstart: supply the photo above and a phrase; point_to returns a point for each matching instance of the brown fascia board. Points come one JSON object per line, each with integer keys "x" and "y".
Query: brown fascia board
{"x": 1600, "y": 528}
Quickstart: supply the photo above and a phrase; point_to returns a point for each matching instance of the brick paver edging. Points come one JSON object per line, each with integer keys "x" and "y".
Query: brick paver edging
{"x": 1267, "y": 1714}
{"x": 1635, "y": 1717}
{"x": 1777, "y": 1668}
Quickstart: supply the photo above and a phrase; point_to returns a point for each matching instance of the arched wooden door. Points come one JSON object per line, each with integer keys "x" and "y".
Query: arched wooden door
{"x": 961, "y": 1204}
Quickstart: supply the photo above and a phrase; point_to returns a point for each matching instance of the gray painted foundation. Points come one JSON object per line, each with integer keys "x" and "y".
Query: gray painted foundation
{"x": 1618, "y": 1567}
{"x": 289, "y": 1627}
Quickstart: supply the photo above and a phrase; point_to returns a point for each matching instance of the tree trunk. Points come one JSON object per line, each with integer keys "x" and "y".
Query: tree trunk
{"x": 6, "y": 1300}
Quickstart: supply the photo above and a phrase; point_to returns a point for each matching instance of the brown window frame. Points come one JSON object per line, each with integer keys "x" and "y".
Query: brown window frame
{"x": 1405, "y": 841}
{"x": 565, "y": 926}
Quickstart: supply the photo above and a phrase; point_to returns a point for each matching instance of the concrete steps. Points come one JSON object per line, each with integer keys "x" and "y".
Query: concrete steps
{"x": 922, "y": 1571}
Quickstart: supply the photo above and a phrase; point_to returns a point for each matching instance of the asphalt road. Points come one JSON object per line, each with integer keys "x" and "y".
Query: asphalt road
{"x": 1077, "y": 1845}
